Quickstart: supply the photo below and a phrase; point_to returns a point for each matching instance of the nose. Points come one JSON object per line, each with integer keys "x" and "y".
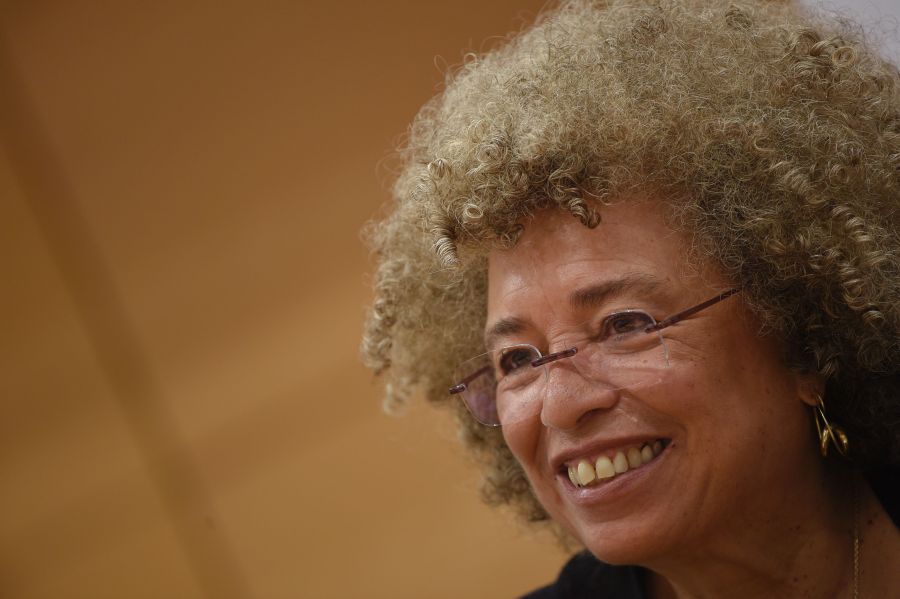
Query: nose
{"x": 569, "y": 399}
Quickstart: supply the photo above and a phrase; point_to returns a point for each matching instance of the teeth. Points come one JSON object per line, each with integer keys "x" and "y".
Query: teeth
{"x": 634, "y": 457}
{"x": 586, "y": 473}
{"x": 620, "y": 463}
{"x": 604, "y": 468}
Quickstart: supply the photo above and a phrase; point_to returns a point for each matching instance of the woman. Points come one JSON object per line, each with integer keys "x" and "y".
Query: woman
{"x": 653, "y": 248}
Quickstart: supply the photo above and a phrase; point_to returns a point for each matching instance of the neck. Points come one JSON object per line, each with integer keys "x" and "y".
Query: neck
{"x": 793, "y": 545}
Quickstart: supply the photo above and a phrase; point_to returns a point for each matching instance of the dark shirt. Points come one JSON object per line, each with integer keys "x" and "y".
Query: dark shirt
{"x": 586, "y": 577}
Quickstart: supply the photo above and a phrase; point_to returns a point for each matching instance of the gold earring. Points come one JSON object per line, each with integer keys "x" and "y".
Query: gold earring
{"x": 828, "y": 432}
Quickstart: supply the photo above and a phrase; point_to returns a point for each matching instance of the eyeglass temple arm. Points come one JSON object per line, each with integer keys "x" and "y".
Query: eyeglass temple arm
{"x": 464, "y": 384}
{"x": 691, "y": 311}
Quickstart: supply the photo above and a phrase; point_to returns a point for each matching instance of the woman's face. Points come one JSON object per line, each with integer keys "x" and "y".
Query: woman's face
{"x": 728, "y": 416}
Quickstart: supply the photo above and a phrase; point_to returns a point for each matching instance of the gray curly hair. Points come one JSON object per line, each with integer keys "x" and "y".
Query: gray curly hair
{"x": 773, "y": 136}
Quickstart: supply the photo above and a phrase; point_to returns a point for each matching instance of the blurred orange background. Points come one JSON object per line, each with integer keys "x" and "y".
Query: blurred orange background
{"x": 183, "y": 413}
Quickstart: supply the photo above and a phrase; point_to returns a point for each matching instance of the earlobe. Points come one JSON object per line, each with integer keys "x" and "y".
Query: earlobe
{"x": 810, "y": 388}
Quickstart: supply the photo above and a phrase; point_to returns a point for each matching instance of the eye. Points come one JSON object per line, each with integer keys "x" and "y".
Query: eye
{"x": 515, "y": 358}
{"x": 624, "y": 323}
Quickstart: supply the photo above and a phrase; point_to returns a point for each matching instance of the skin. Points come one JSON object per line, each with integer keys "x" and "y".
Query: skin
{"x": 740, "y": 504}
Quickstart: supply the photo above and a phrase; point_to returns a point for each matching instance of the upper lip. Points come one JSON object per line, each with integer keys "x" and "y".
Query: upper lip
{"x": 598, "y": 446}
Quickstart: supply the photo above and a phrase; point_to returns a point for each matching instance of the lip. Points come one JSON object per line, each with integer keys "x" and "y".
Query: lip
{"x": 605, "y": 491}
{"x": 597, "y": 448}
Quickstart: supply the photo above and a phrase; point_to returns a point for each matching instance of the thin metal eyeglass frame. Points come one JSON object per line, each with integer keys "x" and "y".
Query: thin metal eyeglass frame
{"x": 568, "y": 353}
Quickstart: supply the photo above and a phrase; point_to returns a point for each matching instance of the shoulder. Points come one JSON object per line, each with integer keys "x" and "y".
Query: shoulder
{"x": 584, "y": 576}
{"x": 885, "y": 482}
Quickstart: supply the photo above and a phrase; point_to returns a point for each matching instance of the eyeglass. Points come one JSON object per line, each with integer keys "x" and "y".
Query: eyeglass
{"x": 625, "y": 351}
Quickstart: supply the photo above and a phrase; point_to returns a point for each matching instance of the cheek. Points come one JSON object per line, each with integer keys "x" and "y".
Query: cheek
{"x": 739, "y": 407}
{"x": 523, "y": 439}
{"x": 527, "y": 444}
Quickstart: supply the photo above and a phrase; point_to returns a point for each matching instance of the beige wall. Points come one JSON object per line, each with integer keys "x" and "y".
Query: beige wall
{"x": 182, "y": 412}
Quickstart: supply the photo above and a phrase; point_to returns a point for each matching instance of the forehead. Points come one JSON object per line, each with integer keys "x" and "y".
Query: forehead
{"x": 556, "y": 254}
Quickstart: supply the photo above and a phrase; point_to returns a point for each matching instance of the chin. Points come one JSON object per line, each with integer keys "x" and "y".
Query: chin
{"x": 622, "y": 544}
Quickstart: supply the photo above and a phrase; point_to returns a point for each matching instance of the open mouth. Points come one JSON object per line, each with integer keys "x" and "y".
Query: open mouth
{"x": 586, "y": 472}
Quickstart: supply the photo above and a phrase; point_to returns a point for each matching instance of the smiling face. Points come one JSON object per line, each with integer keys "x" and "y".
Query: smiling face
{"x": 717, "y": 439}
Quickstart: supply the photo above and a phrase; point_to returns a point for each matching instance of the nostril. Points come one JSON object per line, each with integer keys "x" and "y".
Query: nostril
{"x": 589, "y": 414}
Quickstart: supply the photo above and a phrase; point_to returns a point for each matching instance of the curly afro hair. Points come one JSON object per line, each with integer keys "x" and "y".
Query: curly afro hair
{"x": 773, "y": 136}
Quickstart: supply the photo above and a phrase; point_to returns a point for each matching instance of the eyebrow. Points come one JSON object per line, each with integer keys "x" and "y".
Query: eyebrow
{"x": 505, "y": 327}
{"x": 595, "y": 295}
{"x": 591, "y": 296}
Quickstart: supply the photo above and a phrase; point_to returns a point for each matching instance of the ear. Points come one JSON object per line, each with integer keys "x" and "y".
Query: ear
{"x": 810, "y": 387}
